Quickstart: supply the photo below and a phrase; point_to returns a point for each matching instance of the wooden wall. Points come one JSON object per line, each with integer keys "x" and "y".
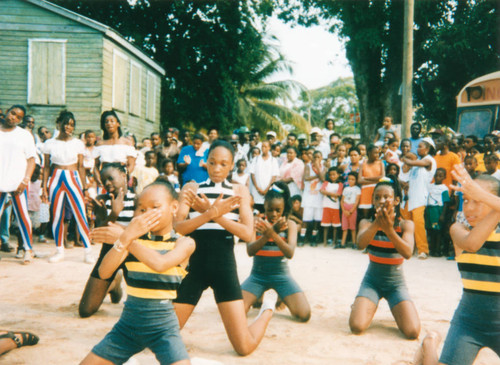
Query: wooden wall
{"x": 19, "y": 22}
{"x": 89, "y": 69}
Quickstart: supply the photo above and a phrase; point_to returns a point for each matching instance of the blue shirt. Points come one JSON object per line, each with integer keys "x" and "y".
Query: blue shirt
{"x": 193, "y": 170}
{"x": 414, "y": 144}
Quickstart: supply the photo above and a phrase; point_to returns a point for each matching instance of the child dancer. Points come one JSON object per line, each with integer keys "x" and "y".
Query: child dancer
{"x": 154, "y": 261}
{"x": 389, "y": 241}
{"x": 331, "y": 191}
{"x": 117, "y": 205}
{"x": 349, "y": 204}
{"x": 275, "y": 244}
{"x": 476, "y": 322}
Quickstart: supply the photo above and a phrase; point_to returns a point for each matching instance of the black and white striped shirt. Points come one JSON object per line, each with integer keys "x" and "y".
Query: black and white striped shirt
{"x": 212, "y": 191}
{"x": 127, "y": 213}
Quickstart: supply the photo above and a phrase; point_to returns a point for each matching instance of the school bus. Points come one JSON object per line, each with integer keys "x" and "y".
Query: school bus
{"x": 478, "y": 106}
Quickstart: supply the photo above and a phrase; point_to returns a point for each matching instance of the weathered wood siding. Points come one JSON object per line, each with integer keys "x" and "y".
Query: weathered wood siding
{"x": 136, "y": 122}
{"x": 21, "y": 21}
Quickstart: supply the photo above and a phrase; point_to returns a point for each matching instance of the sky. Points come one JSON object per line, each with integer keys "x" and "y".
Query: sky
{"x": 316, "y": 55}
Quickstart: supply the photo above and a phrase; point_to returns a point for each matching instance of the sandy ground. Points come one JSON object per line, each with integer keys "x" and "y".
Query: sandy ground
{"x": 43, "y": 298}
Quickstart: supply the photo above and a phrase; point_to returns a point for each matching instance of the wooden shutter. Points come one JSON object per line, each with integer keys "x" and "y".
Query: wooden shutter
{"x": 151, "y": 97}
{"x": 120, "y": 65}
{"x": 135, "y": 89}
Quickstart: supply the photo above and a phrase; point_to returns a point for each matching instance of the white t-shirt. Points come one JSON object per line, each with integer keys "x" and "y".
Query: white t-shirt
{"x": 438, "y": 195}
{"x": 16, "y": 147}
{"x": 264, "y": 170}
{"x": 350, "y": 193}
{"x": 496, "y": 174}
{"x": 243, "y": 179}
{"x": 419, "y": 181}
{"x": 63, "y": 152}
{"x": 330, "y": 201}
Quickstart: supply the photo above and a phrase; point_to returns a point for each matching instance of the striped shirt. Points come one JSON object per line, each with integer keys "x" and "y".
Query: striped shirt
{"x": 126, "y": 215}
{"x": 382, "y": 251}
{"x": 144, "y": 282}
{"x": 271, "y": 249}
{"x": 212, "y": 191}
{"x": 480, "y": 270}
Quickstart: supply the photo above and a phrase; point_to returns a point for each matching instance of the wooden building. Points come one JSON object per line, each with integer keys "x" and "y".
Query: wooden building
{"x": 52, "y": 59}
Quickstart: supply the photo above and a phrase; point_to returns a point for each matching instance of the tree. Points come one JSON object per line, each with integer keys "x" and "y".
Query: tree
{"x": 372, "y": 31}
{"x": 336, "y": 100}
{"x": 262, "y": 104}
{"x": 205, "y": 47}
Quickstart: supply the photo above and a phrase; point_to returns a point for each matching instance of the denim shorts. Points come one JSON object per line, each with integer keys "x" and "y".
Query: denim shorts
{"x": 475, "y": 324}
{"x": 280, "y": 280}
{"x": 144, "y": 323}
{"x": 384, "y": 281}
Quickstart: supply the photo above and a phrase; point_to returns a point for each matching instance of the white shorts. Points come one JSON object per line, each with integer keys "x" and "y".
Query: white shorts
{"x": 312, "y": 214}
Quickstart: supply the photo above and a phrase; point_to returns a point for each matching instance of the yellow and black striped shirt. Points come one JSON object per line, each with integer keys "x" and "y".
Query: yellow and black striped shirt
{"x": 144, "y": 282}
{"x": 481, "y": 270}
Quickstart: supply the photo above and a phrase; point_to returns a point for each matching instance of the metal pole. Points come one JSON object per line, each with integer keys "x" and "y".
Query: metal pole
{"x": 407, "y": 104}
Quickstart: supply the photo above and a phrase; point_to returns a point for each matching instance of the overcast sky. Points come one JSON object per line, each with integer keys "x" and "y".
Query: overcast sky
{"x": 317, "y": 56}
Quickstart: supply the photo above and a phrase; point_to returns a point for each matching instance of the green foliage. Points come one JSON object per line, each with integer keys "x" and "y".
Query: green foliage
{"x": 207, "y": 48}
{"x": 464, "y": 46}
{"x": 336, "y": 100}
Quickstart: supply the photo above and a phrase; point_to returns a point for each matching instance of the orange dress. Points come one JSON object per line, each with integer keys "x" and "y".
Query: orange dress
{"x": 369, "y": 170}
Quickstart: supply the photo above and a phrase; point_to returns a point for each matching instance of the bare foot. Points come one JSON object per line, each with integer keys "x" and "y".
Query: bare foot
{"x": 428, "y": 348}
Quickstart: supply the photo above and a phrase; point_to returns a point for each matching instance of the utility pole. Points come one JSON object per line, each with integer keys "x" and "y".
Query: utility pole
{"x": 407, "y": 102}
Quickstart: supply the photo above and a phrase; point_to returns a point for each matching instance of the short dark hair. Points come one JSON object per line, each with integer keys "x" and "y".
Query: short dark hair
{"x": 64, "y": 117}
{"x": 441, "y": 169}
{"x": 198, "y": 136}
{"x": 151, "y": 152}
{"x": 221, "y": 143}
{"x": 17, "y": 106}
{"x": 88, "y": 131}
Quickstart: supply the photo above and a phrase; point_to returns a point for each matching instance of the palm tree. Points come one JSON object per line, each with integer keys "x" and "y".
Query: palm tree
{"x": 264, "y": 104}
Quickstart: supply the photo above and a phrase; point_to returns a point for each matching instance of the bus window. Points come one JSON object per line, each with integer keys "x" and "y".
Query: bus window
{"x": 475, "y": 121}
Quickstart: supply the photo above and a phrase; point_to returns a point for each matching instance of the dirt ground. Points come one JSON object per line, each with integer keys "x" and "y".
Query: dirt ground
{"x": 43, "y": 298}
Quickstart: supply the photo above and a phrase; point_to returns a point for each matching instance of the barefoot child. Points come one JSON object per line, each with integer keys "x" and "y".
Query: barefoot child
{"x": 349, "y": 204}
{"x": 389, "y": 241}
{"x": 154, "y": 261}
{"x": 476, "y": 322}
{"x": 275, "y": 244}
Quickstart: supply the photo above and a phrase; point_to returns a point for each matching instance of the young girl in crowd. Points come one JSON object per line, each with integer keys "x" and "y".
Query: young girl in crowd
{"x": 349, "y": 204}
{"x": 241, "y": 177}
{"x": 389, "y": 241}
{"x": 274, "y": 246}
{"x": 371, "y": 172}
{"x": 154, "y": 261}
{"x": 420, "y": 176}
{"x": 362, "y": 152}
{"x": 311, "y": 198}
{"x": 354, "y": 164}
{"x": 168, "y": 169}
{"x": 64, "y": 158}
{"x": 392, "y": 153}
{"x": 331, "y": 191}
{"x": 476, "y": 322}
{"x": 405, "y": 147}
{"x": 113, "y": 147}
{"x": 215, "y": 211}
{"x": 116, "y": 206}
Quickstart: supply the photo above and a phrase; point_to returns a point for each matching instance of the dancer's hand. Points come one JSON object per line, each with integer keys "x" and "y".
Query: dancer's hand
{"x": 468, "y": 186}
{"x": 385, "y": 216}
{"x": 223, "y": 206}
{"x": 117, "y": 204}
{"x": 107, "y": 234}
{"x": 99, "y": 208}
{"x": 280, "y": 225}
{"x": 140, "y": 225}
{"x": 263, "y": 227}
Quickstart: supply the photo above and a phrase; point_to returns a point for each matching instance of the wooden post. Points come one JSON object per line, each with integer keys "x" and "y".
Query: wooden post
{"x": 407, "y": 102}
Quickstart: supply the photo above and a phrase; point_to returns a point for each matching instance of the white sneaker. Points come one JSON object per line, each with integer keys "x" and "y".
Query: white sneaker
{"x": 269, "y": 300}
{"x": 422, "y": 256}
{"x": 59, "y": 256}
{"x": 27, "y": 258}
{"x": 20, "y": 254}
{"x": 89, "y": 259}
